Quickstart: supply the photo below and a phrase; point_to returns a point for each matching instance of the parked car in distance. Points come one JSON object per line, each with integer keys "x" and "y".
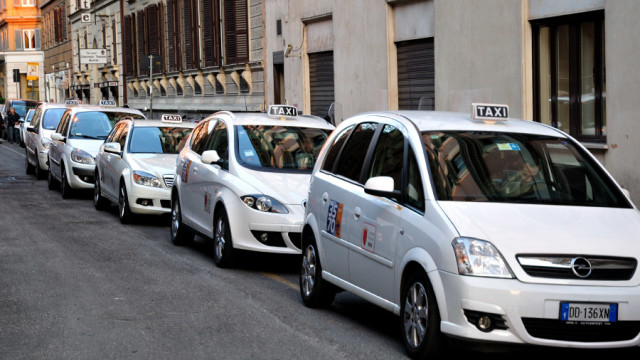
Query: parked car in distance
{"x": 21, "y": 106}
{"x": 38, "y": 137}
{"x": 475, "y": 227}
{"x": 242, "y": 181}
{"x": 24, "y": 124}
{"x": 135, "y": 166}
{"x": 75, "y": 143}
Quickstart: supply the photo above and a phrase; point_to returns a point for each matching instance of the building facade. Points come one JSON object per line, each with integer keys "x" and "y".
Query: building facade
{"x": 207, "y": 56}
{"x": 21, "y": 55}
{"x": 568, "y": 64}
{"x": 56, "y": 44}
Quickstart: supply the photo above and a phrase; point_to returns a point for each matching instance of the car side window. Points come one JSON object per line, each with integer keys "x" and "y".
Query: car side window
{"x": 388, "y": 156}
{"x": 199, "y": 136}
{"x": 353, "y": 155}
{"x": 36, "y": 119}
{"x": 334, "y": 149}
{"x": 415, "y": 190}
{"x": 64, "y": 124}
{"x": 113, "y": 133}
{"x": 219, "y": 141}
{"x": 123, "y": 136}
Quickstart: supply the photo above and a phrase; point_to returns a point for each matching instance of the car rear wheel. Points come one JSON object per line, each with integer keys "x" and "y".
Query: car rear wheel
{"x": 67, "y": 191}
{"x": 124, "y": 212}
{"x": 315, "y": 291}
{"x": 99, "y": 202}
{"x": 420, "y": 318}
{"x": 222, "y": 242}
{"x": 180, "y": 234}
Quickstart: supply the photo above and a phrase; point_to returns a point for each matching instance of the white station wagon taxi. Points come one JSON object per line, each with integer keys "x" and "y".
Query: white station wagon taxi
{"x": 476, "y": 227}
{"x": 135, "y": 166}
{"x": 242, "y": 180}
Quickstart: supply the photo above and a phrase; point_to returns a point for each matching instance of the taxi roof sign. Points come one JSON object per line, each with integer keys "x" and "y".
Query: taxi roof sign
{"x": 280, "y": 111}
{"x": 107, "y": 103}
{"x": 71, "y": 102}
{"x": 490, "y": 112}
{"x": 173, "y": 118}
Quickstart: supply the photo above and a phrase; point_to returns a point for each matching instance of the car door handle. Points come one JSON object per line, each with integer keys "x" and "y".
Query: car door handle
{"x": 195, "y": 169}
{"x": 325, "y": 198}
{"x": 357, "y": 212}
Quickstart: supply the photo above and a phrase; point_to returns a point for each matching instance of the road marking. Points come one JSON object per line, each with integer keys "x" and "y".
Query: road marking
{"x": 281, "y": 280}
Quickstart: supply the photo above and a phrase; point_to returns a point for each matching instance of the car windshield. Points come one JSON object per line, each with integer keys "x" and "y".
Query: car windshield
{"x": 22, "y": 106}
{"x": 91, "y": 125}
{"x": 51, "y": 118}
{"x": 522, "y": 168}
{"x": 279, "y": 147}
{"x": 158, "y": 140}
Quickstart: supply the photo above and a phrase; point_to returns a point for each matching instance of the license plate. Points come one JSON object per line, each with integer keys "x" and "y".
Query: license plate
{"x": 588, "y": 312}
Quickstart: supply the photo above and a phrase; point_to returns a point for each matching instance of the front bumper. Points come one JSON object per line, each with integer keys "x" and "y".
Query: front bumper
{"x": 531, "y": 312}
{"x": 149, "y": 200}
{"x": 82, "y": 176}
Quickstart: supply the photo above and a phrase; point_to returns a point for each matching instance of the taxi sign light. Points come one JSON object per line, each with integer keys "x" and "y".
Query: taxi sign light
{"x": 283, "y": 111}
{"x": 490, "y": 112}
{"x": 174, "y": 118}
{"x": 72, "y": 102}
{"x": 107, "y": 103}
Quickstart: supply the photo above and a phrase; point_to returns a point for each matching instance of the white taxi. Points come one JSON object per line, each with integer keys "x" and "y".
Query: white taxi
{"x": 75, "y": 143}
{"x": 135, "y": 166}
{"x": 242, "y": 180}
{"x": 477, "y": 227}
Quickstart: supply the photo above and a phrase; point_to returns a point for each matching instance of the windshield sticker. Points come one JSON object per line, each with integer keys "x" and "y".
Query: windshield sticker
{"x": 249, "y": 153}
{"x": 508, "y": 146}
{"x": 334, "y": 218}
{"x": 184, "y": 174}
{"x": 369, "y": 237}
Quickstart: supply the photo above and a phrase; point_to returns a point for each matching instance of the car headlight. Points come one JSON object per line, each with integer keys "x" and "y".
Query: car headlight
{"x": 479, "y": 258}
{"x": 146, "y": 179}
{"x": 264, "y": 203}
{"x": 82, "y": 157}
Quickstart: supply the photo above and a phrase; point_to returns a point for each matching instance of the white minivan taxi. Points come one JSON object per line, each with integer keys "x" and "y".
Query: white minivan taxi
{"x": 242, "y": 181}
{"x": 476, "y": 227}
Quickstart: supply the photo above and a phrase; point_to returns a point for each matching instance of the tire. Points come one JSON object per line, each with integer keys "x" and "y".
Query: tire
{"x": 124, "y": 211}
{"x": 314, "y": 290}
{"x": 29, "y": 169}
{"x": 40, "y": 174}
{"x": 52, "y": 183}
{"x": 222, "y": 241}
{"x": 66, "y": 189}
{"x": 420, "y": 328}
{"x": 99, "y": 202}
{"x": 180, "y": 234}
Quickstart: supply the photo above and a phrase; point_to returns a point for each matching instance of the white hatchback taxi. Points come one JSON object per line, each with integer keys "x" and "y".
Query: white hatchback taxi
{"x": 135, "y": 166}
{"x": 473, "y": 226}
{"x": 243, "y": 178}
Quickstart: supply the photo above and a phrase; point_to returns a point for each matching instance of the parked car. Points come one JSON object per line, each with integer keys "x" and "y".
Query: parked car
{"x": 481, "y": 228}
{"x": 75, "y": 143}
{"x": 242, "y": 181}
{"x": 24, "y": 124}
{"x": 38, "y": 137}
{"x": 135, "y": 166}
{"x": 21, "y": 106}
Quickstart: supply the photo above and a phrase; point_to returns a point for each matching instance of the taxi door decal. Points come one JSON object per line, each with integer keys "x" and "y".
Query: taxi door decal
{"x": 334, "y": 218}
{"x": 369, "y": 237}
{"x": 184, "y": 174}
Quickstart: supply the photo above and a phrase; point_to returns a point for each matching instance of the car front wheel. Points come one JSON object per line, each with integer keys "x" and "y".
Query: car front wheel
{"x": 420, "y": 318}
{"x": 67, "y": 191}
{"x": 99, "y": 202}
{"x": 29, "y": 169}
{"x": 180, "y": 235}
{"x": 124, "y": 212}
{"x": 222, "y": 242}
{"x": 52, "y": 183}
{"x": 315, "y": 291}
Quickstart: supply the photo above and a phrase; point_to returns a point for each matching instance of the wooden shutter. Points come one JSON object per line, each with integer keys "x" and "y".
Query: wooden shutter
{"x": 236, "y": 28}
{"x": 127, "y": 47}
{"x": 210, "y": 33}
{"x": 416, "y": 74}
{"x": 38, "y": 40}
{"x": 321, "y": 83}
{"x": 142, "y": 50}
{"x": 18, "y": 39}
{"x": 186, "y": 20}
{"x": 63, "y": 23}
{"x": 171, "y": 34}
{"x": 152, "y": 30}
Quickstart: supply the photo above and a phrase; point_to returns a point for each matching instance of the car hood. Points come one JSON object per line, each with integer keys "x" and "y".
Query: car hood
{"x": 88, "y": 145}
{"x": 156, "y": 164}
{"x": 548, "y": 229}
{"x": 288, "y": 188}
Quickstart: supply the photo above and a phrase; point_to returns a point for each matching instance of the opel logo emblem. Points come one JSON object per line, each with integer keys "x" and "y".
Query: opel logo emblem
{"x": 581, "y": 267}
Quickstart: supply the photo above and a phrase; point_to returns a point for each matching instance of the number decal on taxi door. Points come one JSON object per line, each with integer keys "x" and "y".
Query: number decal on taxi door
{"x": 334, "y": 218}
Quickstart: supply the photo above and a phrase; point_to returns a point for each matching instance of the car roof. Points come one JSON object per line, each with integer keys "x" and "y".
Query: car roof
{"x": 51, "y": 105}
{"x": 427, "y": 120}
{"x": 84, "y": 108}
{"x": 159, "y": 123}
{"x": 249, "y": 118}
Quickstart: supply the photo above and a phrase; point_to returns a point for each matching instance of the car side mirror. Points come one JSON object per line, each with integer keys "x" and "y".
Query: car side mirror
{"x": 211, "y": 157}
{"x": 31, "y": 129}
{"x": 382, "y": 186}
{"x": 113, "y": 147}
{"x": 57, "y": 137}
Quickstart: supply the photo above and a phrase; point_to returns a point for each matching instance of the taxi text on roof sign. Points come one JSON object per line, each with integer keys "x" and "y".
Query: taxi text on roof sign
{"x": 172, "y": 118}
{"x": 491, "y": 112}
{"x": 72, "y": 102}
{"x": 107, "y": 103}
{"x": 283, "y": 110}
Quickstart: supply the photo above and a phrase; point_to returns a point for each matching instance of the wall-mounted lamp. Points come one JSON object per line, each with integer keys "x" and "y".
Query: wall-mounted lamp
{"x": 290, "y": 48}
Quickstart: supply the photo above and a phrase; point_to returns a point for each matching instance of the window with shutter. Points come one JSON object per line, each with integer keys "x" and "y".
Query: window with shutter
{"x": 174, "y": 43}
{"x": 191, "y": 39}
{"x": 128, "y": 47}
{"x": 142, "y": 48}
{"x": 236, "y": 28}
{"x": 18, "y": 39}
{"x": 211, "y": 32}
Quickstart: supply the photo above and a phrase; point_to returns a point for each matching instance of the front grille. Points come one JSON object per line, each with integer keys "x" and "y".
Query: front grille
{"x": 168, "y": 180}
{"x": 560, "y": 267}
{"x": 553, "y": 329}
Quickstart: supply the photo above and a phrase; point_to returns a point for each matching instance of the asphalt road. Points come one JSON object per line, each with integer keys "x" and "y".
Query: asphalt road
{"x": 76, "y": 284}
